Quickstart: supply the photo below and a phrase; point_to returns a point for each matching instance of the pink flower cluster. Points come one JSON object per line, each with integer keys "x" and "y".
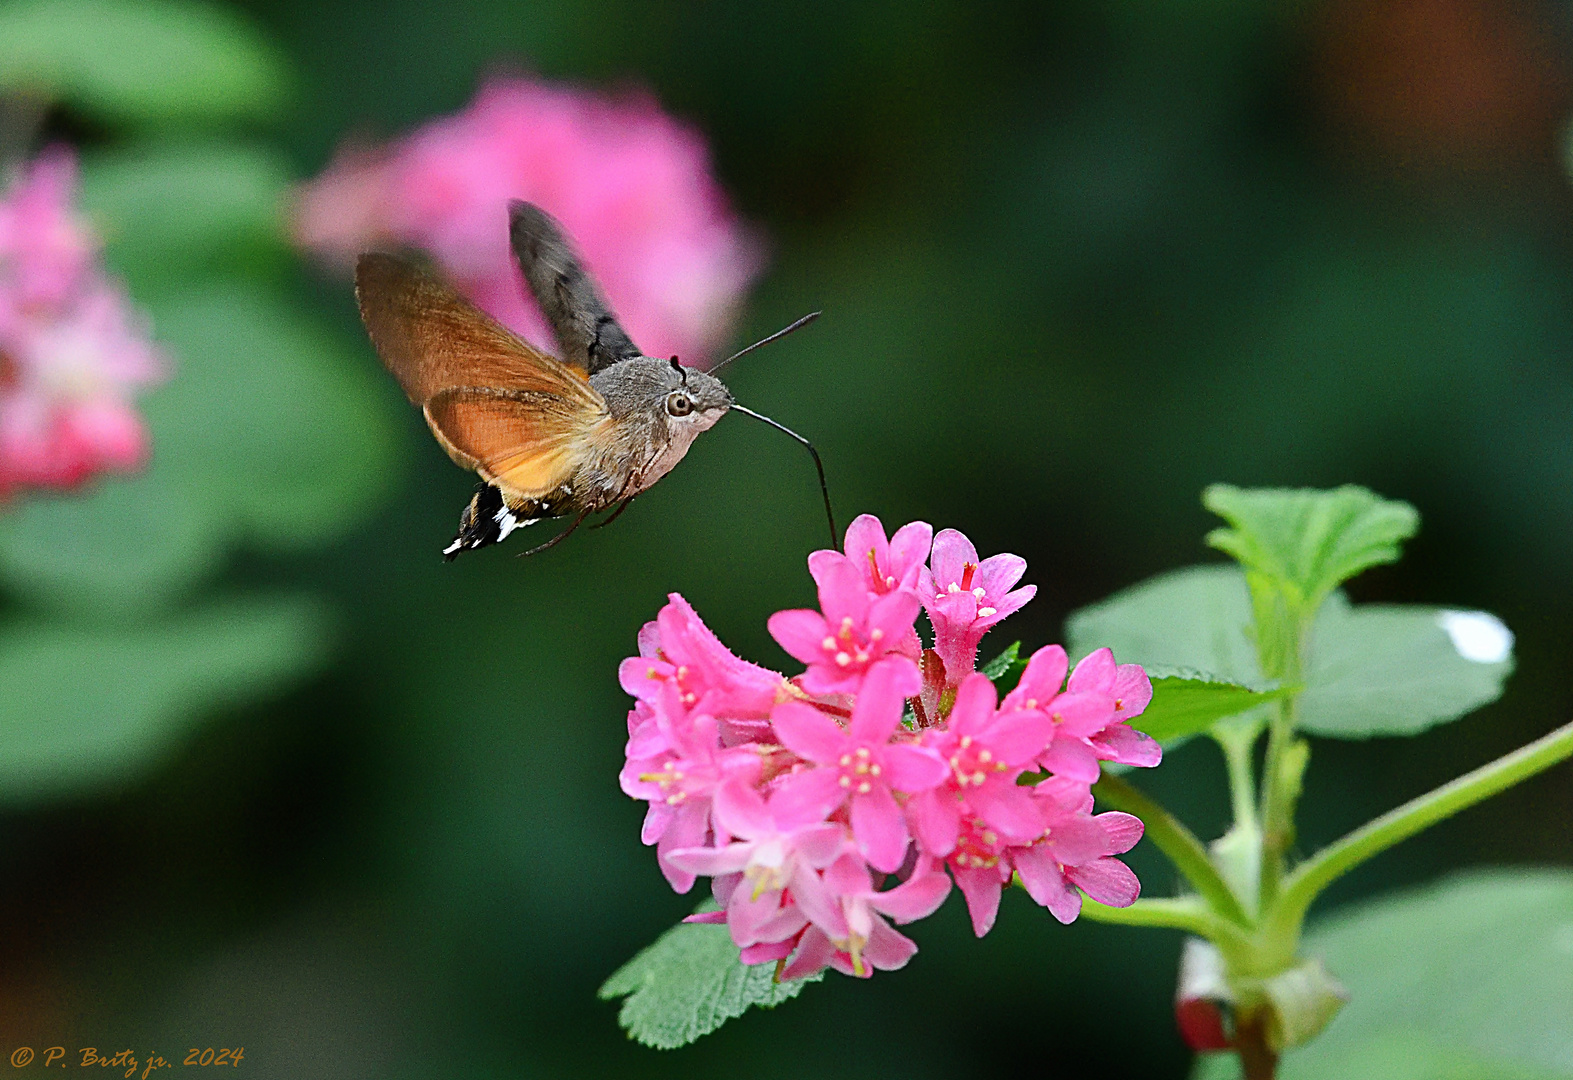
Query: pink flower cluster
{"x": 803, "y": 797}
{"x": 631, "y": 185}
{"x": 72, "y": 349}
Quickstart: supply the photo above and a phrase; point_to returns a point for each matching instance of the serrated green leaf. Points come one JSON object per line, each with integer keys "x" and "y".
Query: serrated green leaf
{"x": 266, "y": 434}
{"x": 1309, "y": 541}
{"x": 142, "y": 61}
{"x": 1001, "y": 664}
{"x": 83, "y": 708}
{"x": 1373, "y": 669}
{"x": 1468, "y": 979}
{"x": 1187, "y": 702}
{"x": 689, "y": 983}
{"x": 1297, "y": 546}
{"x": 173, "y": 212}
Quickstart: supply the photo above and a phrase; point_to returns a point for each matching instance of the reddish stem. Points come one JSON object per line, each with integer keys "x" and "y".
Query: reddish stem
{"x": 1258, "y": 1061}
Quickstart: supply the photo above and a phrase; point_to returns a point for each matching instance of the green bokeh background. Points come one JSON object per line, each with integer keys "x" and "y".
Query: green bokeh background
{"x": 1077, "y": 260}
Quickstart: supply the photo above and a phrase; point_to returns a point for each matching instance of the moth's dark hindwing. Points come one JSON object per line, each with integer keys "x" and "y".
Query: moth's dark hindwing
{"x": 589, "y": 334}
{"x": 487, "y": 519}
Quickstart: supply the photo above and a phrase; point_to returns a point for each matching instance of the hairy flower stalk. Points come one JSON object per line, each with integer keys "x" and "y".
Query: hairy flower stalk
{"x": 822, "y": 816}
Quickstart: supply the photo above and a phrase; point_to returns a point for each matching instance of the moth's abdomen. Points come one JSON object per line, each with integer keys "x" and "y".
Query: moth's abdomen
{"x": 488, "y": 519}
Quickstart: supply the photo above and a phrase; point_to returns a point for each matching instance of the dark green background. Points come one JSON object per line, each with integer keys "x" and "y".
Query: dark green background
{"x": 1076, "y": 261}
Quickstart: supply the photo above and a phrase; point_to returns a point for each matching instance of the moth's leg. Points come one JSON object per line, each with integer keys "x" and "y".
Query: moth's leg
{"x": 559, "y": 538}
{"x": 615, "y": 514}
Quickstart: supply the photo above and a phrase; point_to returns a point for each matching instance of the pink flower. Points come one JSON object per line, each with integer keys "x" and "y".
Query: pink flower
{"x": 855, "y": 630}
{"x": 1073, "y": 852}
{"x": 72, "y": 349}
{"x": 679, "y": 647}
{"x": 1086, "y": 714}
{"x": 848, "y": 933}
{"x": 965, "y": 597}
{"x": 779, "y": 847}
{"x": 860, "y": 765}
{"x": 631, "y": 185}
{"x": 887, "y": 565}
{"x": 986, "y": 751}
{"x": 680, "y": 765}
{"x": 1076, "y": 853}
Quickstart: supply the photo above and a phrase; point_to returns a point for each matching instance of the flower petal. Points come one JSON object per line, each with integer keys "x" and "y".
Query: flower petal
{"x": 801, "y": 633}
{"x": 910, "y": 769}
{"x": 1123, "y": 830}
{"x": 809, "y": 795}
{"x": 809, "y": 733}
{"x": 1123, "y": 743}
{"x": 974, "y": 705}
{"x": 1016, "y": 738}
{"x": 916, "y": 898}
{"x": 1095, "y": 674}
{"x": 880, "y": 829}
{"x": 1045, "y": 883}
{"x": 887, "y": 949}
{"x": 877, "y": 712}
{"x": 741, "y": 811}
{"x": 813, "y": 955}
{"x": 1041, "y": 681}
{"x": 1108, "y": 881}
{"x": 1009, "y": 810}
{"x": 935, "y": 817}
{"x": 1071, "y": 758}
{"x": 952, "y": 552}
{"x": 982, "y": 891}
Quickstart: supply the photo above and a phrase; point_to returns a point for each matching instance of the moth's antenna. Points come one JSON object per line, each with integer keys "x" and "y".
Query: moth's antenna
{"x": 835, "y": 537}
{"x": 777, "y": 336}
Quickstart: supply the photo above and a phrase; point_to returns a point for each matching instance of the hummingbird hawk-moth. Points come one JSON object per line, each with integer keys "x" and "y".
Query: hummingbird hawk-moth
{"x": 549, "y": 437}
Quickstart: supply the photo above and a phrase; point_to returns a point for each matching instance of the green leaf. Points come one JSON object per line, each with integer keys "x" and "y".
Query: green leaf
{"x": 996, "y": 668}
{"x": 1309, "y": 541}
{"x": 689, "y": 983}
{"x": 1296, "y": 547}
{"x": 141, "y": 61}
{"x": 1468, "y": 979}
{"x": 1373, "y": 669}
{"x": 82, "y": 708}
{"x": 1187, "y": 702}
{"x": 1395, "y": 669}
{"x": 173, "y": 212}
{"x": 266, "y": 434}
{"x": 1197, "y": 619}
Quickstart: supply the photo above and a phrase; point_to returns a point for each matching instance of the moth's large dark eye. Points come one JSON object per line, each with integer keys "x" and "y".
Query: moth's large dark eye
{"x": 679, "y": 403}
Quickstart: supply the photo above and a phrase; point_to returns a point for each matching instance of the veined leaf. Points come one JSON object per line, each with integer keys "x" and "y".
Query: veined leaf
{"x": 689, "y": 983}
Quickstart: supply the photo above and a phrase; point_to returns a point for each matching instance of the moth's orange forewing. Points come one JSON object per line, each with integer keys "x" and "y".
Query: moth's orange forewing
{"x": 496, "y": 404}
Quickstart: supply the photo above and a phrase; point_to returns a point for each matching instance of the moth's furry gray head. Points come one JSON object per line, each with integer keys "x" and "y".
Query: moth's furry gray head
{"x": 646, "y": 386}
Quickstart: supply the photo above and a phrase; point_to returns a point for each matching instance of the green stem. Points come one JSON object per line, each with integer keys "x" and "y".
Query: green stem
{"x": 1186, "y": 913}
{"x": 1277, "y": 809}
{"x": 1177, "y": 842}
{"x": 1376, "y": 836}
{"x": 1237, "y": 746}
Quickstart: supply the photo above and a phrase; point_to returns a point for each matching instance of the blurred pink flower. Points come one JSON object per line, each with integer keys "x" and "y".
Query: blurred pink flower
{"x": 72, "y": 348}
{"x": 630, "y": 184}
